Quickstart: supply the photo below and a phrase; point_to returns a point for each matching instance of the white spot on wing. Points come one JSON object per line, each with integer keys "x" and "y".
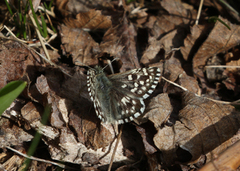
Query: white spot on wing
{"x": 124, "y": 100}
{"x": 143, "y": 106}
{"x": 124, "y": 86}
{"x": 133, "y": 90}
{"x": 145, "y": 96}
{"x": 130, "y": 77}
{"x": 144, "y": 71}
{"x": 136, "y": 114}
{"x": 150, "y": 91}
{"x": 153, "y": 86}
{"x": 120, "y": 121}
{"x": 134, "y": 102}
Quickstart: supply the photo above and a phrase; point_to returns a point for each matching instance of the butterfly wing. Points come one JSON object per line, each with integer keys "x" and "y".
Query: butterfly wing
{"x": 129, "y": 89}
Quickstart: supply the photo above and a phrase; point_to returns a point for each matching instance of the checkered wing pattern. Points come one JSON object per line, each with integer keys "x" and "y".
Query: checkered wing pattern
{"x": 119, "y": 97}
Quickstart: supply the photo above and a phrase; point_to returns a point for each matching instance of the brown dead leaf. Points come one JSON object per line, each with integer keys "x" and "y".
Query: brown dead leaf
{"x": 31, "y": 114}
{"x": 219, "y": 40}
{"x": 57, "y": 118}
{"x": 14, "y": 60}
{"x": 119, "y": 42}
{"x": 91, "y": 20}
{"x": 80, "y": 45}
{"x": 174, "y": 72}
{"x": 231, "y": 74}
{"x": 159, "y": 109}
{"x": 156, "y": 48}
{"x": 12, "y": 134}
{"x": 89, "y": 132}
{"x": 72, "y": 7}
{"x": 147, "y": 135}
{"x": 228, "y": 160}
{"x": 166, "y": 22}
{"x": 190, "y": 41}
{"x": 177, "y": 9}
{"x": 204, "y": 126}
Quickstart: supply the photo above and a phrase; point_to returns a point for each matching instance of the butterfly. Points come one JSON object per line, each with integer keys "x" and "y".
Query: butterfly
{"x": 119, "y": 97}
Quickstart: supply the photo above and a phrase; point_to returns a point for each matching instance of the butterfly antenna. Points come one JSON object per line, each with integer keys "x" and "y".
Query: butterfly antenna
{"x": 82, "y": 64}
{"x": 110, "y": 64}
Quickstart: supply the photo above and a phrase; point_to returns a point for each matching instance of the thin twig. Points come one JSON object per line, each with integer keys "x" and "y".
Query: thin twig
{"x": 40, "y": 160}
{"x": 115, "y": 148}
{"x": 221, "y": 66}
{"x": 199, "y": 12}
{"x": 40, "y": 37}
{"x": 237, "y": 102}
{"x": 175, "y": 84}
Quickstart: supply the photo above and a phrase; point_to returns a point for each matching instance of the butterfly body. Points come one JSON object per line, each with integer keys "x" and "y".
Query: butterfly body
{"x": 119, "y": 97}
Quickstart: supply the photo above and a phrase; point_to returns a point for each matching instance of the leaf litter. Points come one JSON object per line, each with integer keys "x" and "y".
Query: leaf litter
{"x": 177, "y": 129}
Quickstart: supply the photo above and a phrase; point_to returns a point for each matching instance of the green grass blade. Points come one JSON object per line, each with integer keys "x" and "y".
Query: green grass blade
{"x": 37, "y": 137}
{"x": 9, "y": 93}
{"x": 35, "y": 18}
{"x": 8, "y": 7}
{"x": 44, "y": 26}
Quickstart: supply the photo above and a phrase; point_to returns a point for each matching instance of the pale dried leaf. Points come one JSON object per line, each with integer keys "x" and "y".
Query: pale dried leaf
{"x": 205, "y": 125}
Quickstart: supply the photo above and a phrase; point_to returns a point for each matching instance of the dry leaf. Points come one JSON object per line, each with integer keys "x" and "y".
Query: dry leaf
{"x": 219, "y": 40}
{"x": 159, "y": 109}
{"x": 15, "y": 60}
{"x": 228, "y": 160}
{"x": 91, "y": 20}
{"x": 204, "y": 126}
{"x": 11, "y": 134}
{"x": 119, "y": 42}
{"x": 80, "y": 45}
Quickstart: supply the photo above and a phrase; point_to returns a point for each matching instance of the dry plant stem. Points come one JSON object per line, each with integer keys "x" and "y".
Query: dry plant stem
{"x": 199, "y": 11}
{"x": 217, "y": 101}
{"x": 221, "y": 66}
{"x": 40, "y": 37}
{"x": 40, "y": 160}
{"x": 175, "y": 84}
{"x": 115, "y": 148}
{"x": 47, "y": 11}
{"x": 29, "y": 48}
{"x": 228, "y": 160}
{"x": 22, "y": 41}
